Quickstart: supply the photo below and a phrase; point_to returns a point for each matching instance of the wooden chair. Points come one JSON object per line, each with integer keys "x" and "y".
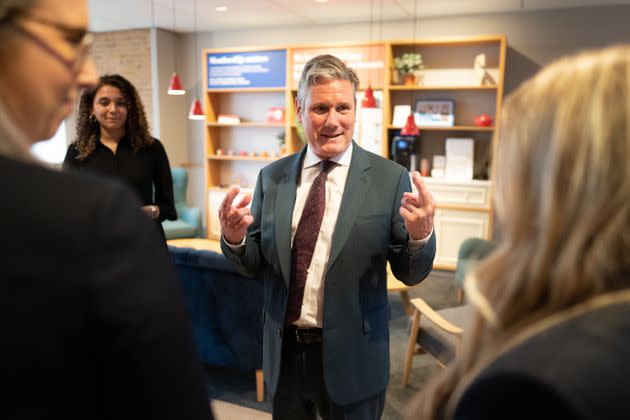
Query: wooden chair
{"x": 439, "y": 333}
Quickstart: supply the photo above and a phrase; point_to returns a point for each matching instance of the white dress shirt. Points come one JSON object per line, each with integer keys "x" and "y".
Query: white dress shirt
{"x": 313, "y": 301}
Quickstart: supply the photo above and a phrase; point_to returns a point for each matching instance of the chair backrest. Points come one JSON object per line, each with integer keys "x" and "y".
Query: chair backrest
{"x": 180, "y": 184}
{"x": 470, "y": 252}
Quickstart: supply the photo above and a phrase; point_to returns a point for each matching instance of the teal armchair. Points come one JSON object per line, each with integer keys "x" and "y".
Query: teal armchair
{"x": 188, "y": 223}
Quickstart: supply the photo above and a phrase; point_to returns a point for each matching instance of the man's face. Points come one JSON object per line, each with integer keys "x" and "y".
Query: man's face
{"x": 328, "y": 117}
{"x": 40, "y": 85}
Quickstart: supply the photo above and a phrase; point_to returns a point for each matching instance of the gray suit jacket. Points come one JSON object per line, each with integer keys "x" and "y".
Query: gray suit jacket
{"x": 368, "y": 233}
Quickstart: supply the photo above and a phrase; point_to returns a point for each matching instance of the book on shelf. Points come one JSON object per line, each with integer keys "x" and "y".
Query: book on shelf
{"x": 228, "y": 119}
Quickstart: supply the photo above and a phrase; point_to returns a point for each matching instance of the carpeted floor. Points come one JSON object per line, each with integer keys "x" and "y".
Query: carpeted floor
{"x": 237, "y": 388}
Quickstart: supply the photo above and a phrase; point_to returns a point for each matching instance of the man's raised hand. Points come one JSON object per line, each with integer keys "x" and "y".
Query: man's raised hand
{"x": 235, "y": 219}
{"x": 417, "y": 209}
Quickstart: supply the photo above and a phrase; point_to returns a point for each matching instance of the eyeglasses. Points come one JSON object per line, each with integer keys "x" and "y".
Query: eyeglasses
{"x": 82, "y": 46}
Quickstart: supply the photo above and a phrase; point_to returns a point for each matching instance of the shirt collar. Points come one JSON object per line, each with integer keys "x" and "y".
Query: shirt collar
{"x": 342, "y": 159}
{"x": 123, "y": 141}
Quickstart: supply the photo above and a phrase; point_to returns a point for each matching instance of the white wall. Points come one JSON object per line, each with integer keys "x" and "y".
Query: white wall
{"x": 171, "y": 125}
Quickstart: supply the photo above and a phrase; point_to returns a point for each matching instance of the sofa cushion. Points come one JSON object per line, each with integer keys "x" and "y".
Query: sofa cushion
{"x": 225, "y": 307}
{"x": 174, "y": 229}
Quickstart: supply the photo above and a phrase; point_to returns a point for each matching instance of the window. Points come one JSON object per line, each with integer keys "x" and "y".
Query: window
{"x": 54, "y": 149}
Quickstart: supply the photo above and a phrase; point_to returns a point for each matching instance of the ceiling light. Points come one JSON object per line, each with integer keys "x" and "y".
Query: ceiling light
{"x": 321, "y": 1}
{"x": 221, "y": 8}
{"x": 196, "y": 111}
{"x": 175, "y": 85}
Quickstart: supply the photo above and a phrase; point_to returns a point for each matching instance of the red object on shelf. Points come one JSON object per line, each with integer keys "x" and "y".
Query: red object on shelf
{"x": 275, "y": 114}
{"x": 368, "y": 99}
{"x": 410, "y": 128}
{"x": 483, "y": 120}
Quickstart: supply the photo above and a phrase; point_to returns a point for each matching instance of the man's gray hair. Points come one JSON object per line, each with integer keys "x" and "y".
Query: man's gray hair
{"x": 325, "y": 67}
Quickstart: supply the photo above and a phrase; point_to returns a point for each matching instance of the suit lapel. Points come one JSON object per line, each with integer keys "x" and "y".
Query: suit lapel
{"x": 355, "y": 190}
{"x": 285, "y": 201}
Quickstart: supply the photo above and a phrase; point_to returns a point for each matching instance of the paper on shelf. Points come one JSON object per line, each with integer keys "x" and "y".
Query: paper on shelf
{"x": 459, "y": 158}
{"x": 370, "y": 129}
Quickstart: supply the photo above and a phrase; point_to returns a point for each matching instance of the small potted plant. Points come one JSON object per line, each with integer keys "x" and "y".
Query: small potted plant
{"x": 408, "y": 65}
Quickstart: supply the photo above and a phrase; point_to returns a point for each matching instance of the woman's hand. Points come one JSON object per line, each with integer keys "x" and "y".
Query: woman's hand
{"x": 152, "y": 211}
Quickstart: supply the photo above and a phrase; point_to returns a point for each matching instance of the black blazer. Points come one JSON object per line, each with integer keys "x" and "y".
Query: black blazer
{"x": 369, "y": 232}
{"x": 92, "y": 320}
{"x": 574, "y": 369}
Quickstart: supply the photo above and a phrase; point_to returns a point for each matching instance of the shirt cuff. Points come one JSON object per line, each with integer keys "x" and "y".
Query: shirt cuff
{"x": 415, "y": 245}
{"x": 238, "y": 248}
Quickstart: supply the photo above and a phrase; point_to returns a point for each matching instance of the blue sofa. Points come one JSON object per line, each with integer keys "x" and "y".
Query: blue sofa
{"x": 226, "y": 310}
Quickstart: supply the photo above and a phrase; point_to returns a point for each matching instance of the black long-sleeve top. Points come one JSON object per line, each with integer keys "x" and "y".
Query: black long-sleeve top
{"x": 143, "y": 170}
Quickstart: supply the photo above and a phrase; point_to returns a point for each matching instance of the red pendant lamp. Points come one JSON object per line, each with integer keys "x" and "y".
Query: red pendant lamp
{"x": 196, "y": 111}
{"x": 410, "y": 128}
{"x": 175, "y": 85}
{"x": 368, "y": 99}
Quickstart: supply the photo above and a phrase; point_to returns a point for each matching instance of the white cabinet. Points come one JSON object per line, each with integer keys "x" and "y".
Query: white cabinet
{"x": 451, "y": 228}
{"x": 473, "y": 193}
{"x": 463, "y": 211}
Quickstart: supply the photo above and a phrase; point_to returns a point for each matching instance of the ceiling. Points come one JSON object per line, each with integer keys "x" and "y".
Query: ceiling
{"x": 112, "y": 15}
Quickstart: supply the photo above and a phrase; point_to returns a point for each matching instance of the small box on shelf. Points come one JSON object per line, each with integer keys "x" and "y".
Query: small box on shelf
{"x": 228, "y": 119}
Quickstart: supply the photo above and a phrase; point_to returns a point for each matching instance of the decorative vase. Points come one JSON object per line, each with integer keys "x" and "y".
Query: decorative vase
{"x": 409, "y": 79}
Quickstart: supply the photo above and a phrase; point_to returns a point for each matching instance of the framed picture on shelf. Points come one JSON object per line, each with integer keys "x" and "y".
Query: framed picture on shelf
{"x": 435, "y": 112}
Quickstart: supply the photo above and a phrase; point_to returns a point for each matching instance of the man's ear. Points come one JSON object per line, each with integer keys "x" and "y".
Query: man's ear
{"x": 298, "y": 110}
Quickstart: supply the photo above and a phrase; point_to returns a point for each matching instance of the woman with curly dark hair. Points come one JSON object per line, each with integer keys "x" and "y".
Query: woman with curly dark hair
{"x": 113, "y": 139}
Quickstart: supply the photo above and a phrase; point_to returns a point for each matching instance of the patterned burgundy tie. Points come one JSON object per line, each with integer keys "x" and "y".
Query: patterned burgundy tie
{"x": 304, "y": 241}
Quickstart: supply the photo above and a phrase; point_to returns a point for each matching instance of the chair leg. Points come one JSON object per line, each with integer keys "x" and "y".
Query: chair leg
{"x": 411, "y": 347}
{"x": 260, "y": 386}
{"x": 458, "y": 345}
{"x": 460, "y": 295}
{"x": 406, "y": 302}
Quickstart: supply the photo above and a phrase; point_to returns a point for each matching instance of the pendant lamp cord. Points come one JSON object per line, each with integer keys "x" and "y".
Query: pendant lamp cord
{"x": 196, "y": 36}
{"x": 415, "y": 46}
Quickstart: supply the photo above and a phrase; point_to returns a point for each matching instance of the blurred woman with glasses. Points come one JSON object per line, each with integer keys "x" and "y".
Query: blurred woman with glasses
{"x": 113, "y": 139}
{"x": 92, "y": 318}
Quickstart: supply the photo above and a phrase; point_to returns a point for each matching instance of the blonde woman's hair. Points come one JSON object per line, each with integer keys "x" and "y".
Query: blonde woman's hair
{"x": 562, "y": 194}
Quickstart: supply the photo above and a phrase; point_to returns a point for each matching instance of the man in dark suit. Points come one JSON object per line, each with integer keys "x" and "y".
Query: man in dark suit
{"x": 326, "y": 336}
{"x": 93, "y": 324}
